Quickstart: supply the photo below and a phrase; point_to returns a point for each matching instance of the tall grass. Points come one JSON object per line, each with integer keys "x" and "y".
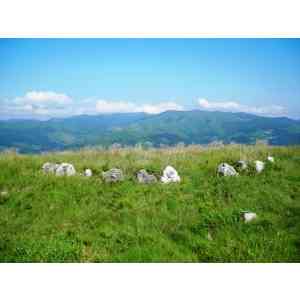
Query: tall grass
{"x": 44, "y": 218}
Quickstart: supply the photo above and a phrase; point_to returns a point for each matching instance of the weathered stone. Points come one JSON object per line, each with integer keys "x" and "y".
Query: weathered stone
{"x": 248, "y": 216}
{"x": 113, "y": 175}
{"x": 4, "y": 194}
{"x": 242, "y": 165}
{"x": 65, "y": 169}
{"x": 225, "y": 169}
{"x": 170, "y": 175}
{"x": 209, "y": 237}
{"x": 259, "y": 166}
{"x": 88, "y": 173}
{"x": 270, "y": 159}
{"x": 144, "y": 177}
{"x": 49, "y": 167}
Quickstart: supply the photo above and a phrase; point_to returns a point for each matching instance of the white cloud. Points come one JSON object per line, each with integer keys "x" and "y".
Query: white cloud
{"x": 103, "y": 106}
{"x": 37, "y": 104}
{"x": 161, "y": 107}
{"x": 46, "y": 104}
{"x": 231, "y": 106}
{"x": 47, "y": 97}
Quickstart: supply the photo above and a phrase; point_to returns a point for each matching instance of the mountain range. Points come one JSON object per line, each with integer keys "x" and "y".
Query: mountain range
{"x": 127, "y": 129}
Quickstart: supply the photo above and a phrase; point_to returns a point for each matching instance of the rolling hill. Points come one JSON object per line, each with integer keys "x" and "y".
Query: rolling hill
{"x": 168, "y": 128}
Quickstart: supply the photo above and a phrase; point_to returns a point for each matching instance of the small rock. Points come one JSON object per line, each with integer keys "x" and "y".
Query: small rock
{"x": 65, "y": 169}
{"x": 227, "y": 170}
{"x": 270, "y": 159}
{"x": 113, "y": 175}
{"x": 88, "y": 173}
{"x": 259, "y": 166}
{"x": 242, "y": 165}
{"x": 144, "y": 177}
{"x": 209, "y": 237}
{"x": 249, "y": 216}
{"x": 4, "y": 194}
{"x": 49, "y": 167}
{"x": 170, "y": 175}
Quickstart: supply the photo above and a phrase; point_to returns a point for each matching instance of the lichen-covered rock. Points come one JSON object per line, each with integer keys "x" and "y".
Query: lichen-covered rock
{"x": 144, "y": 177}
{"x": 113, "y": 175}
{"x": 88, "y": 173}
{"x": 65, "y": 169}
{"x": 248, "y": 216}
{"x": 170, "y": 175}
{"x": 49, "y": 167}
{"x": 242, "y": 165}
{"x": 270, "y": 159}
{"x": 259, "y": 166}
{"x": 225, "y": 169}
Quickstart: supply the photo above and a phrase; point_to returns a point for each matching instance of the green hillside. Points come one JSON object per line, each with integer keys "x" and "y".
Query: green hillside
{"x": 44, "y": 218}
{"x": 168, "y": 128}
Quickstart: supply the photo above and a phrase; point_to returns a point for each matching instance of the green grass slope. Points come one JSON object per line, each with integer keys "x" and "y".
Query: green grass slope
{"x": 44, "y": 218}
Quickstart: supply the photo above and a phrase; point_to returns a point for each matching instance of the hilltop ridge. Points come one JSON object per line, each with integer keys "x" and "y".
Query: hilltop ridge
{"x": 168, "y": 128}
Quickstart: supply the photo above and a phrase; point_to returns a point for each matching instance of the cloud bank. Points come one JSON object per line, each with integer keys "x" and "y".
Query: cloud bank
{"x": 47, "y": 104}
{"x": 231, "y": 106}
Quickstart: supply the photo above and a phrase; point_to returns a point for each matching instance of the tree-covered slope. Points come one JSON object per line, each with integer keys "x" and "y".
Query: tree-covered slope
{"x": 168, "y": 128}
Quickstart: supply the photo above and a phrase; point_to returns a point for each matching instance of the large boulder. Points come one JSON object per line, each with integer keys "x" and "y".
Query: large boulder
{"x": 65, "y": 169}
{"x": 170, "y": 175}
{"x": 259, "y": 166}
{"x": 113, "y": 175}
{"x": 49, "y": 167}
{"x": 88, "y": 173}
{"x": 225, "y": 169}
{"x": 144, "y": 177}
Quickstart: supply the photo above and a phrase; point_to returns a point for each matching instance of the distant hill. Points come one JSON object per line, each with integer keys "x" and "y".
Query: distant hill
{"x": 168, "y": 128}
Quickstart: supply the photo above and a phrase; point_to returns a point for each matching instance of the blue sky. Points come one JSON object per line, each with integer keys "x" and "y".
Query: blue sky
{"x": 42, "y": 78}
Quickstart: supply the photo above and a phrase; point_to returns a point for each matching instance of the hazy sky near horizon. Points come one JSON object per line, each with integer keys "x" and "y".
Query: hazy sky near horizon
{"x": 42, "y": 78}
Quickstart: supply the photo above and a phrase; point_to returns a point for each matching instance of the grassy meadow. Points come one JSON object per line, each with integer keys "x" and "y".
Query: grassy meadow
{"x": 44, "y": 218}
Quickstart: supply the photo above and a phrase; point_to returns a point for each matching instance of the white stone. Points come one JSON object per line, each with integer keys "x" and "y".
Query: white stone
{"x": 144, "y": 177}
{"x": 170, "y": 175}
{"x": 49, "y": 167}
{"x": 270, "y": 159}
{"x": 4, "y": 193}
{"x": 88, "y": 173}
{"x": 259, "y": 166}
{"x": 249, "y": 216}
{"x": 65, "y": 169}
{"x": 113, "y": 175}
{"x": 242, "y": 164}
{"x": 227, "y": 170}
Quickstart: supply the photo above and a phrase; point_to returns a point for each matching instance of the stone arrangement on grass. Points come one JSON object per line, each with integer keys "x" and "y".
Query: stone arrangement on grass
{"x": 170, "y": 174}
